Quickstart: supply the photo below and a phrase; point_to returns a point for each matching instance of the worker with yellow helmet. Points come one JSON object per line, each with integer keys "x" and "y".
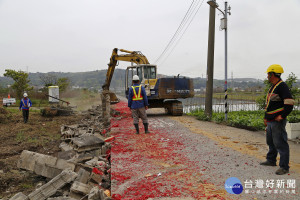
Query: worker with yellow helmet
{"x": 279, "y": 104}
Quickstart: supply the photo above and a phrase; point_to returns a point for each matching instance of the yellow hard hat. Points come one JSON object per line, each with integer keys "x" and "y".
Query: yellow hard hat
{"x": 275, "y": 68}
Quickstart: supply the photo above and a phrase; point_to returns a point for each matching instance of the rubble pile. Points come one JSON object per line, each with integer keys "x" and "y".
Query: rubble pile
{"x": 80, "y": 171}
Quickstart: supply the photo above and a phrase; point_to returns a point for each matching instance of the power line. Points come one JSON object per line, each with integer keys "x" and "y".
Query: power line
{"x": 184, "y": 20}
{"x": 182, "y": 33}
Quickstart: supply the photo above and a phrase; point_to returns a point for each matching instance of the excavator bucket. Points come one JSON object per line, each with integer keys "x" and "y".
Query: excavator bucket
{"x": 113, "y": 98}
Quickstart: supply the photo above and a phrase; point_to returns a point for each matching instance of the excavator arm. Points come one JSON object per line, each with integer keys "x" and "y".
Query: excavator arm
{"x": 132, "y": 56}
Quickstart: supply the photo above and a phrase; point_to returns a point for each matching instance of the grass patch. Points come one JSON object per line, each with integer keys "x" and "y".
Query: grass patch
{"x": 27, "y": 185}
{"x": 20, "y": 137}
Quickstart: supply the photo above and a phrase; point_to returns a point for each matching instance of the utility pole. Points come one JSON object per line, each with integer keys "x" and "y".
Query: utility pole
{"x": 210, "y": 58}
{"x": 224, "y": 27}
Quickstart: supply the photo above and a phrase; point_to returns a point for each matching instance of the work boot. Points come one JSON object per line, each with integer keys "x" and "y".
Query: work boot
{"x": 137, "y": 128}
{"x": 146, "y": 127}
{"x": 282, "y": 171}
{"x": 267, "y": 163}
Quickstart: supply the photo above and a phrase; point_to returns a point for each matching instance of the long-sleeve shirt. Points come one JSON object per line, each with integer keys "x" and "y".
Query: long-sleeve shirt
{"x": 279, "y": 101}
{"x": 25, "y": 104}
{"x": 139, "y": 103}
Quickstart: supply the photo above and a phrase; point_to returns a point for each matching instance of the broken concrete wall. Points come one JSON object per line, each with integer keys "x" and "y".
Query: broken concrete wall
{"x": 43, "y": 165}
{"x": 52, "y": 186}
{"x": 85, "y": 153}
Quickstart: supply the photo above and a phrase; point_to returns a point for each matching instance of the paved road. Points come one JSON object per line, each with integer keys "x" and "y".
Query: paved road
{"x": 189, "y": 159}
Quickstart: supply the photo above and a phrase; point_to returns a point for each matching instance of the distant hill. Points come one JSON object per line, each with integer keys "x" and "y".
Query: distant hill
{"x": 95, "y": 79}
{"x": 91, "y": 79}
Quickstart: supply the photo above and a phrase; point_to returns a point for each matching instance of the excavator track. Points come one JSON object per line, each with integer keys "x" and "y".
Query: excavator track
{"x": 174, "y": 108}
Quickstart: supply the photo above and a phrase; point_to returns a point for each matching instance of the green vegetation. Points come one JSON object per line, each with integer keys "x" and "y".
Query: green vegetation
{"x": 27, "y": 185}
{"x": 21, "y": 81}
{"x": 251, "y": 120}
{"x": 20, "y": 136}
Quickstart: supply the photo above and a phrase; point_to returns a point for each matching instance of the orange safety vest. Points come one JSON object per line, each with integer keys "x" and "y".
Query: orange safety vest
{"x": 137, "y": 97}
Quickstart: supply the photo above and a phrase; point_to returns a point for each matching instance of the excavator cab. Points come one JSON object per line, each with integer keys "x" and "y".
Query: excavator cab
{"x": 147, "y": 74}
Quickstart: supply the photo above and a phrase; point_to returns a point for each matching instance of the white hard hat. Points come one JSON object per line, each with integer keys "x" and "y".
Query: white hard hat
{"x": 25, "y": 95}
{"x": 135, "y": 78}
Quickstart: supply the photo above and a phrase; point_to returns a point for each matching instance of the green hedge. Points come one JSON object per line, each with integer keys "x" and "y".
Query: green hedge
{"x": 251, "y": 120}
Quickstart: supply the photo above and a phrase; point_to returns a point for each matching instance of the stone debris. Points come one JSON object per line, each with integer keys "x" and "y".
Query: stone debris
{"x": 80, "y": 171}
{"x": 19, "y": 196}
{"x": 80, "y": 188}
{"x": 44, "y": 165}
{"x": 86, "y": 143}
{"x": 52, "y": 186}
{"x": 96, "y": 194}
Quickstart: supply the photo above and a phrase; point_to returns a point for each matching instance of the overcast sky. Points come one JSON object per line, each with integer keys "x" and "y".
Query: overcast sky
{"x": 79, "y": 35}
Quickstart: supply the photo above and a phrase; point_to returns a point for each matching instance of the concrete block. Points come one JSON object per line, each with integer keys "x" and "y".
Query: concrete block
{"x": 52, "y": 186}
{"x": 86, "y": 143}
{"x": 82, "y": 157}
{"x": 293, "y": 130}
{"x": 63, "y": 164}
{"x": 19, "y": 196}
{"x": 93, "y": 162}
{"x": 77, "y": 196}
{"x": 66, "y": 155}
{"x": 91, "y": 131}
{"x": 96, "y": 152}
{"x": 65, "y": 146}
{"x": 96, "y": 178}
{"x": 46, "y": 170}
{"x": 83, "y": 176}
{"x": 94, "y": 194}
{"x": 97, "y": 194}
{"x": 28, "y": 159}
{"x": 43, "y": 165}
{"x": 80, "y": 188}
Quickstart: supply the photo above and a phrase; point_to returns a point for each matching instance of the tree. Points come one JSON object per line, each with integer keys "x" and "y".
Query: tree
{"x": 63, "y": 84}
{"x": 290, "y": 81}
{"x": 4, "y": 91}
{"x": 21, "y": 81}
{"x": 48, "y": 80}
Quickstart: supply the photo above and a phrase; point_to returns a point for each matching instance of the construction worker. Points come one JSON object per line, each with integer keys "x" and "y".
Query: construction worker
{"x": 279, "y": 104}
{"x": 25, "y": 104}
{"x": 138, "y": 103}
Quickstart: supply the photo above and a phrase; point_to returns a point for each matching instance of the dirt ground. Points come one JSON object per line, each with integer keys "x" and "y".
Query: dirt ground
{"x": 40, "y": 134}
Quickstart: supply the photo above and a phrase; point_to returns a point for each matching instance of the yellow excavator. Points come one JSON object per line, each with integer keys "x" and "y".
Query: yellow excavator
{"x": 161, "y": 93}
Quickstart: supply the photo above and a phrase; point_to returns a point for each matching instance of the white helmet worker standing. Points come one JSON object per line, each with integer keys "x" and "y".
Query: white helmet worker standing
{"x": 138, "y": 103}
{"x": 25, "y": 104}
